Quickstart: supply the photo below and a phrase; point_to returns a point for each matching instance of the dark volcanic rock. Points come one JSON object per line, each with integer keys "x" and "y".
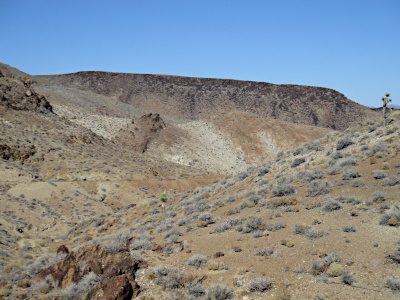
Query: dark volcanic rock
{"x": 117, "y": 288}
{"x": 16, "y": 152}
{"x": 19, "y": 95}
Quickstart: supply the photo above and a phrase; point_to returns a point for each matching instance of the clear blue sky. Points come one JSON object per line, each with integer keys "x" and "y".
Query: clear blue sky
{"x": 352, "y": 46}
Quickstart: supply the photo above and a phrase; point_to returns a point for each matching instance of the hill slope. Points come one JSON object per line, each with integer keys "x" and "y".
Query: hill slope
{"x": 196, "y": 98}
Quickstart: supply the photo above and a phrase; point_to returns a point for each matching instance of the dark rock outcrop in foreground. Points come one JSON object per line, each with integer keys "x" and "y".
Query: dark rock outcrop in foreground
{"x": 196, "y": 98}
{"x": 116, "y": 273}
{"x": 19, "y": 95}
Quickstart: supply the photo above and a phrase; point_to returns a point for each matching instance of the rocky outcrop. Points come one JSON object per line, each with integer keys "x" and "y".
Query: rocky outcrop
{"x": 16, "y": 152}
{"x": 116, "y": 272}
{"x": 140, "y": 132}
{"x": 19, "y": 95}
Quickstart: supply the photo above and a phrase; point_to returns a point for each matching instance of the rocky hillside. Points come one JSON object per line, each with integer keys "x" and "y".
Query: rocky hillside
{"x": 82, "y": 218}
{"x": 196, "y": 98}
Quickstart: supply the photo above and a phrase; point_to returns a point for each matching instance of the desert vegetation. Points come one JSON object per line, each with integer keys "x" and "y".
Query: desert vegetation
{"x": 317, "y": 221}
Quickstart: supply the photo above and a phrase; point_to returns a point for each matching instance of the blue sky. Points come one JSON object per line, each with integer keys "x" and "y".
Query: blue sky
{"x": 352, "y": 46}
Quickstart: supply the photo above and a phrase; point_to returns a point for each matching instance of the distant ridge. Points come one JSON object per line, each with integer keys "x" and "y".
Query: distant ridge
{"x": 195, "y": 98}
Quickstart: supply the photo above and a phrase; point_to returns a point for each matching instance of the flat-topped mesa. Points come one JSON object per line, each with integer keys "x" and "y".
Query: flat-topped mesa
{"x": 196, "y": 98}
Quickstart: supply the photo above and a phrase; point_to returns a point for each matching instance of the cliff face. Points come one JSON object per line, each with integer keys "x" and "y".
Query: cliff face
{"x": 196, "y": 98}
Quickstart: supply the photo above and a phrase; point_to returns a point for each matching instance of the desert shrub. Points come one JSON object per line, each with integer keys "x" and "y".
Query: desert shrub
{"x": 360, "y": 182}
{"x": 378, "y": 197}
{"x": 253, "y": 224}
{"x": 183, "y": 222}
{"x": 283, "y": 190}
{"x": 233, "y": 211}
{"x": 282, "y": 179}
{"x": 254, "y": 200}
{"x": 197, "y": 260}
{"x": 298, "y": 151}
{"x": 351, "y": 161}
{"x": 197, "y": 207}
{"x": 297, "y": 162}
{"x": 168, "y": 277}
{"x": 4, "y": 253}
{"x": 142, "y": 242}
{"x": 276, "y": 226}
{"x": 347, "y": 278}
{"x": 44, "y": 262}
{"x": 392, "y": 283}
{"x": 380, "y": 147}
{"x": 195, "y": 288}
{"x": 349, "y": 229}
{"x": 349, "y": 173}
{"x": 243, "y": 175}
{"x": 262, "y": 190}
{"x": 314, "y": 145}
{"x": 310, "y": 175}
{"x": 258, "y": 234}
{"x": 273, "y": 203}
{"x": 331, "y": 258}
{"x": 331, "y": 205}
{"x": 318, "y": 267}
{"x": 335, "y": 270}
{"x": 165, "y": 225}
{"x": 207, "y": 217}
{"x": 263, "y": 170}
{"x": 318, "y": 187}
{"x": 337, "y": 155}
{"x": 344, "y": 143}
{"x": 88, "y": 282}
{"x": 173, "y": 235}
{"x": 391, "y": 217}
{"x": 228, "y": 224}
{"x": 309, "y": 232}
{"x": 230, "y": 199}
{"x": 378, "y": 174}
{"x": 267, "y": 252}
{"x": 260, "y": 285}
{"x": 219, "y": 292}
{"x": 391, "y": 181}
{"x": 395, "y": 256}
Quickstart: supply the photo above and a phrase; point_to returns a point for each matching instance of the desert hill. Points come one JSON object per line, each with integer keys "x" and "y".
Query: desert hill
{"x": 215, "y": 125}
{"x": 197, "y": 98}
{"x": 255, "y": 207}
